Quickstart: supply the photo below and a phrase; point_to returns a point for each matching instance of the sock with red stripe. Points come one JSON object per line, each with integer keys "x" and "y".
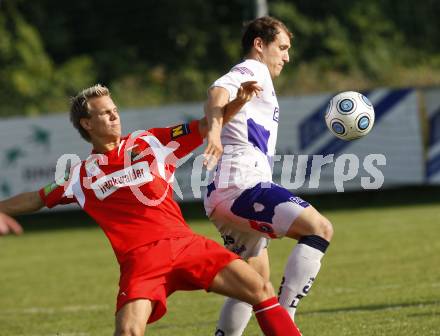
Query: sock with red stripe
{"x": 274, "y": 319}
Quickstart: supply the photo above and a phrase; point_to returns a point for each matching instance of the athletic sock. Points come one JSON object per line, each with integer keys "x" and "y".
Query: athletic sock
{"x": 274, "y": 319}
{"x": 301, "y": 270}
{"x": 234, "y": 318}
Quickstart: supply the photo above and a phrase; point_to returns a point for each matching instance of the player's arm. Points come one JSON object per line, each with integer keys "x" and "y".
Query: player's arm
{"x": 245, "y": 92}
{"x": 51, "y": 195}
{"x": 218, "y": 111}
{"x": 21, "y": 204}
{"x": 214, "y": 109}
{"x": 218, "y": 98}
{"x": 190, "y": 136}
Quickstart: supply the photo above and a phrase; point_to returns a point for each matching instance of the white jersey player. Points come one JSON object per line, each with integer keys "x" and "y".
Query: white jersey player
{"x": 242, "y": 201}
{"x": 250, "y": 137}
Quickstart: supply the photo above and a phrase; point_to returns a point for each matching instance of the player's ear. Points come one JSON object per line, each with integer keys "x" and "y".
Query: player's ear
{"x": 258, "y": 44}
{"x": 85, "y": 123}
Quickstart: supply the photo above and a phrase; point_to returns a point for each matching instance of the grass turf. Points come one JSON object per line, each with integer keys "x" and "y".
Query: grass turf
{"x": 380, "y": 277}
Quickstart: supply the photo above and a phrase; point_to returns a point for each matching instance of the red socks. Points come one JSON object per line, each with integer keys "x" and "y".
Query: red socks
{"x": 274, "y": 319}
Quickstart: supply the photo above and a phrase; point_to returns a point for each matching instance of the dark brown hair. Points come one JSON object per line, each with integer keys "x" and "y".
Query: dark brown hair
{"x": 265, "y": 27}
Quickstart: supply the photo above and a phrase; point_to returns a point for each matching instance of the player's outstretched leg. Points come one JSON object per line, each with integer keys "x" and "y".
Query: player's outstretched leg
{"x": 235, "y": 315}
{"x": 271, "y": 316}
{"x": 314, "y": 233}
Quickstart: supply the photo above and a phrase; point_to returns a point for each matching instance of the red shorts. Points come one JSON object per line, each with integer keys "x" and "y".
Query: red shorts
{"x": 156, "y": 270}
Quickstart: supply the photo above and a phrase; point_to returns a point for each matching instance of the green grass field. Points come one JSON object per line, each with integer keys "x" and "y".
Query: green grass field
{"x": 381, "y": 276}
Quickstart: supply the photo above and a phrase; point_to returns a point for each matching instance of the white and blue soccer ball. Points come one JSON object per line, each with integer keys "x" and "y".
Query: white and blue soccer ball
{"x": 349, "y": 115}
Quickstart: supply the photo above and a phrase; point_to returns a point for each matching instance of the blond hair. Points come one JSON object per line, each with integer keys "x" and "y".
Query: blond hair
{"x": 79, "y": 107}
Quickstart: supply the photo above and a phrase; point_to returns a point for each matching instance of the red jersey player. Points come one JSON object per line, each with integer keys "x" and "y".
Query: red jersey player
{"x": 124, "y": 186}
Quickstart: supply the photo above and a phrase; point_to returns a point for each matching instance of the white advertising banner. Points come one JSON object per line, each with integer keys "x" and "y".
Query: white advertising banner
{"x": 432, "y": 105}
{"x": 392, "y": 154}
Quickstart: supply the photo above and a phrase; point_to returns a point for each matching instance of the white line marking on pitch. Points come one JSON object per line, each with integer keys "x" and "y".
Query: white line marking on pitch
{"x": 45, "y": 310}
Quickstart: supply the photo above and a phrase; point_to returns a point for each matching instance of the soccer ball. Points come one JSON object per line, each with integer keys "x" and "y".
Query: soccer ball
{"x": 350, "y": 115}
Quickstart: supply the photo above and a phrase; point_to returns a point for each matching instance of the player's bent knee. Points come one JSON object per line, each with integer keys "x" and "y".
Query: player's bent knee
{"x": 311, "y": 222}
{"x": 130, "y": 329}
{"x": 268, "y": 289}
{"x": 129, "y": 326}
{"x": 266, "y": 292}
{"x": 258, "y": 292}
{"x": 326, "y": 228}
{"x": 322, "y": 227}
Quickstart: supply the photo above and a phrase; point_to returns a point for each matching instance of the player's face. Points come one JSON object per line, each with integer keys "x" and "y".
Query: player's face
{"x": 104, "y": 119}
{"x": 276, "y": 54}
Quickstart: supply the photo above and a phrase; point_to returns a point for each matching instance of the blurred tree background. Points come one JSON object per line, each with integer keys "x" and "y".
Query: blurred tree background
{"x": 156, "y": 52}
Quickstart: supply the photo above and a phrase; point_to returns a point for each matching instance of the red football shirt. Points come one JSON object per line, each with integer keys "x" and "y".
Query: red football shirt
{"x": 127, "y": 190}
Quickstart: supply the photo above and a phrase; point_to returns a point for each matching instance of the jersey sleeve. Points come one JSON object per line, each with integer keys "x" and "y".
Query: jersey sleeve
{"x": 187, "y": 137}
{"x": 55, "y": 193}
{"x": 240, "y": 73}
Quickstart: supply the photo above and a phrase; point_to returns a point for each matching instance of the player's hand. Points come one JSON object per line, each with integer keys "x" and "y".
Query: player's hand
{"x": 245, "y": 93}
{"x": 9, "y": 225}
{"x": 248, "y": 90}
{"x": 214, "y": 148}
